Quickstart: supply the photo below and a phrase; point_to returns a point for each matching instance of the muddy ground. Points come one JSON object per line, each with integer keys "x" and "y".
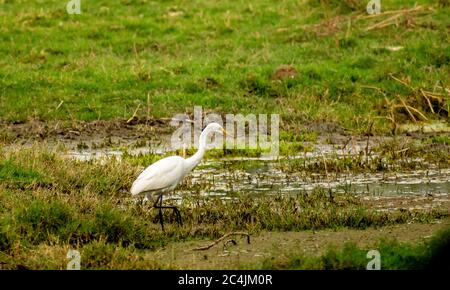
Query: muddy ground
{"x": 121, "y": 130}
{"x": 140, "y": 132}
{"x": 280, "y": 246}
{"x": 97, "y": 134}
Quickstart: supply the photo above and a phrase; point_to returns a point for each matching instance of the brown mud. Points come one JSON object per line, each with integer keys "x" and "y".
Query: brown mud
{"x": 137, "y": 132}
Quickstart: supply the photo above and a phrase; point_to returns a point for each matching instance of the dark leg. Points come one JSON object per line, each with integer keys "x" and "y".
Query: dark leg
{"x": 141, "y": 199}
{"x": 176, "y": 212}
{"x": 160, "y": 207}
{"x": 160, "y": 211}
{"x": 180, "y": 222}
{"x": 177, "y": 215}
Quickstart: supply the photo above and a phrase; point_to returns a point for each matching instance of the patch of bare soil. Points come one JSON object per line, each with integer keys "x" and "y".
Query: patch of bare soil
{"x": 137, "y": 132}
{"x": 279, "y": 245}
{"x": 93, "y": 134}
{"x": 107, "y": 133}
{"x": 284, "y": 72}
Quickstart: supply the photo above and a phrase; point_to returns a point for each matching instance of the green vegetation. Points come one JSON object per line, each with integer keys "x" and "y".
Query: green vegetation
{"x": 9, "y": 172}
{"x": 122, "y": 69}
{"x": 393, "y": 256}
{"x": 87, "y": 205}
{"x": 439, "y": 139}
{"x": 393, "y": 155}
{"x": 396, "y": 154}
{"x": 163, "y": 57}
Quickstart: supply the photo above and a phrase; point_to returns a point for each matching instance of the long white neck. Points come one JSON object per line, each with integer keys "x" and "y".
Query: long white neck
{"x": 197, "y": 157}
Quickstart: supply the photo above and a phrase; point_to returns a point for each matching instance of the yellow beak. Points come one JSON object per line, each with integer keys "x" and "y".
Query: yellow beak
{"x": 225, "y": 133}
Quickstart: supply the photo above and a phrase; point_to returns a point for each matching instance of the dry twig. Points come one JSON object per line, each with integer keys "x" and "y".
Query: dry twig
{"x": 221, "y": 239}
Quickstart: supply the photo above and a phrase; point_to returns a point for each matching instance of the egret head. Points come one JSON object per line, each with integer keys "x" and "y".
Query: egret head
{"x": 215, "y": 127}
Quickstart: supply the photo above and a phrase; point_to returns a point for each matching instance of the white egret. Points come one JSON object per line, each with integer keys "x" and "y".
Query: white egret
{"x": 165, "y": 174}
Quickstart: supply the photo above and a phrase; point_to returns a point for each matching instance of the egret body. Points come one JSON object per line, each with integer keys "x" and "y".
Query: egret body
{"x": 164, "y": 175}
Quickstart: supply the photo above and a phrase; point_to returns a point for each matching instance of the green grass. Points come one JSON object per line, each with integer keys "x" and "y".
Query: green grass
{"x": 103, "y": 63}
{"x": 17, "y": 175}
{"x": 394, "y": 255}
{"x": 439, "y": 139}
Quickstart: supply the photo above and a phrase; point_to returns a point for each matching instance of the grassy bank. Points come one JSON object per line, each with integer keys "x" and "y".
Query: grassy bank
{"x": 158, "y": 58}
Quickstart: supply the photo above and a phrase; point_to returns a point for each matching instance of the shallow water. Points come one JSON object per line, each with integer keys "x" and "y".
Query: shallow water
{"x": 317, "y": 151}
{"x": 262, "y": 176}
{"x": 268, "y": 180}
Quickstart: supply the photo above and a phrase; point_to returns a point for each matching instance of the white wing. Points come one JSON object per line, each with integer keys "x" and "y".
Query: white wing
{"x": 162, "y": 174}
